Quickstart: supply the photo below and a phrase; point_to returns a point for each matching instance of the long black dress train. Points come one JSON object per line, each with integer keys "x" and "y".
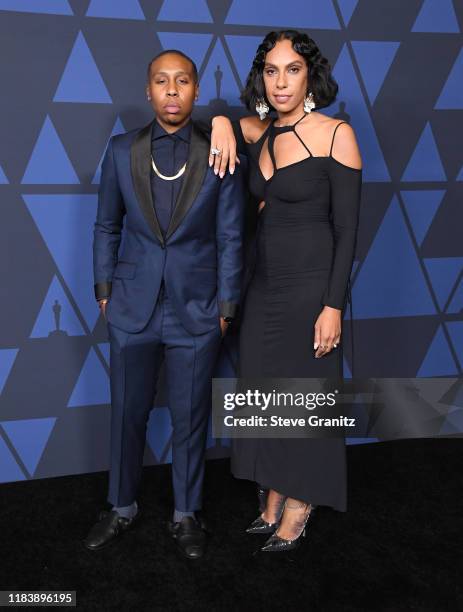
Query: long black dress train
{"x": 305, "y": 244}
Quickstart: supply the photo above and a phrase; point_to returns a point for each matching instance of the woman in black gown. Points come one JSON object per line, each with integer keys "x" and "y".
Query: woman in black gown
{"x": 306, "y": 173}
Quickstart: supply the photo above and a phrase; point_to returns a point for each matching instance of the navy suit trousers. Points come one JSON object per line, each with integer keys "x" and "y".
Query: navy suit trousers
{"x": 135, "y": 362}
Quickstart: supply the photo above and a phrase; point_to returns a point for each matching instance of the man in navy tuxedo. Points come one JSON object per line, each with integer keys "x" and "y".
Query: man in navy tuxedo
{"x": 167, "y": 265}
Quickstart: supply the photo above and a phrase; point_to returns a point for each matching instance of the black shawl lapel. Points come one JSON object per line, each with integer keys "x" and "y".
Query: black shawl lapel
{"x": 193, "y": 178}
{"x": 140, "y": 165}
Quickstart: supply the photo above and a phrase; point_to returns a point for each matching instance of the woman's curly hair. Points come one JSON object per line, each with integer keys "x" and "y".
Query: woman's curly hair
{"x": 321, "y": 81}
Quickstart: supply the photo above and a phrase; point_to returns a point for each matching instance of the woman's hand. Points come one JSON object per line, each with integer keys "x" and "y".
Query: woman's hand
{"x": 327, "y": 331}
{"x": 223, "y": 138}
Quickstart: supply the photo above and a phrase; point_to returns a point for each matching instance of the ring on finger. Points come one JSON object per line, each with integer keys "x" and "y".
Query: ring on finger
{"x": 215, "y": 151}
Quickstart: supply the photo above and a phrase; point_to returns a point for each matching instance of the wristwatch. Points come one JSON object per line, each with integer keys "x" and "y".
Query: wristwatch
{"x": 228, "y": 319}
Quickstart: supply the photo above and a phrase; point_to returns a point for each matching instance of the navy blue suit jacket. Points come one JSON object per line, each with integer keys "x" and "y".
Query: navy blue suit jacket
{"x": 200, "y": 257}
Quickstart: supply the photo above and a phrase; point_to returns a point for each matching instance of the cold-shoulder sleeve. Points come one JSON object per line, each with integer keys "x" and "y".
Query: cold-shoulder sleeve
{"x": 345, "y": 195}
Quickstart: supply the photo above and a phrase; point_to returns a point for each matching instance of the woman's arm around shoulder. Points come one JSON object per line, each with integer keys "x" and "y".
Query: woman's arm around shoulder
{"x": 253, "y": 128}
{"x": 230, "y": 138}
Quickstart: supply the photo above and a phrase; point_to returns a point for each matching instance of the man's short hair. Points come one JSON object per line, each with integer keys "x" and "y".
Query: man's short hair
{"x": 177, "y": 52}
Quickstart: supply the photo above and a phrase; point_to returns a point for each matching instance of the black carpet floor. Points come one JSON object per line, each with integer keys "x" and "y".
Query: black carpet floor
{"x": 399, "y": 546}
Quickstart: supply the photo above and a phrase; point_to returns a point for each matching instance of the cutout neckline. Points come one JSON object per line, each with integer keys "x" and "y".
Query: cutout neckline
{"x": 309, "y": 157}
{"x": 289, "y": 127}
{"x": 273, "y": 132}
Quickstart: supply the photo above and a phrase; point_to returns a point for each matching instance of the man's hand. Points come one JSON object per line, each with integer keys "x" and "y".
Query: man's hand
{"x": 102, "y": 304}
{"x": 223, "y": 326}
{"x": 223, "y": 139}
{"x": 327, "y": 331}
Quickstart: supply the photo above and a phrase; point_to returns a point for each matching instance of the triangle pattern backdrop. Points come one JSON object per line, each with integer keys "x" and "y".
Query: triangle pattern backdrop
{"x": 66, "y": 225}
{"x": 115, "y": 9}
{"x": 436, "y": 16}
{"x": 391, "y": 283}
{"x": 117, "y": 129}
{"x": 296, "y": 14}
{"x": 3, "y": 179}
{"x": 408, "y": 271}
{"x": 438, "y": 360}
{"x": 456, "y": 333}
{"x": 185, "y": 10}
{"x": 374, "y": 59}
{"x": 57, "y": 315}
{"x": 81, "y": 80}
{"x": 10, "y": 470}
{"x": 49, "y": 162}
{"x": 443, "y": 272}
{"x": 197, "y": 44}
{"x": 218, "y": 79}
{"x": 456, "y": 302}
{"x": 451, "y": 95}
{"x": 29, "y": 437}
{"x": 92, "y": 387}
{"x": 421, "y": 207}
{"x": 425, "y": 163}
{"x": 243, "y": 50}
{"x": 347, "y": 8}
{"x": 7, "y": 357}
{"x": 51, "y": 7}
{"x": 357, "y": 112}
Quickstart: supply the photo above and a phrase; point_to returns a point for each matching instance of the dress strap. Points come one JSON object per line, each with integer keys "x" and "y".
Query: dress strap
{"x": 303, "y": 144}
{"x": 300, "y": 139}
{"x": 279, "y": 129}
{"x": 286, "y": 128}
{"x": 294, "y": 124}
{"x": 270, "y": 141}
{"x": 334, "y": 134}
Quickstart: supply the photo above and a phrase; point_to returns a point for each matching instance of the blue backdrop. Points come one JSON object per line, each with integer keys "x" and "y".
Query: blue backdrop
{"x": 73, "y": 74}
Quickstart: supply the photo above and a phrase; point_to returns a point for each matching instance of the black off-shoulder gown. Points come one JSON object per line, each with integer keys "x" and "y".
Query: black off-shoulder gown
{"x": 305, "y": 243}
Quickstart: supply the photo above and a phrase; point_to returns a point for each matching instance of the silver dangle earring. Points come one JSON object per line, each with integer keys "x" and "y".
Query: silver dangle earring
{"x": 309, "y": 103}
{"x": 262, "y": 108}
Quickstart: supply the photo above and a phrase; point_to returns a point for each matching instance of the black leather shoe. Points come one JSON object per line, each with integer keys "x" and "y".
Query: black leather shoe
{"x": 110, "y": 525}
{"x": 190, "y": 536}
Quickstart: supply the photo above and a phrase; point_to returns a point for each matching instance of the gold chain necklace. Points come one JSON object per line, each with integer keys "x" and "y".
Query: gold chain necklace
{"x": 168, "y": 178}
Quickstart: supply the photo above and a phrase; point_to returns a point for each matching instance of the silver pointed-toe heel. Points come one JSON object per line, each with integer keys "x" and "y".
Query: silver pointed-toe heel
{"x": 277, "y": 544}
{"x": 261, "y": 526}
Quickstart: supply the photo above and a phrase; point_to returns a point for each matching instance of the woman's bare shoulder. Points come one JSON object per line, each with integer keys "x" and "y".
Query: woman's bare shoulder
{"x": 253, "y": 128}
{"x": 330, "y": 124}
{"x": 324, "y": 129}
{"x": 344, "y": 144}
